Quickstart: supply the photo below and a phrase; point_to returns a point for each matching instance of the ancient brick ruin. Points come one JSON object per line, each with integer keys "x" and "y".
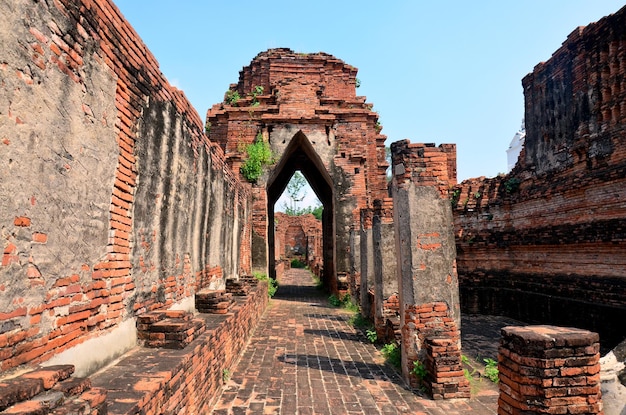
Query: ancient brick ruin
{"x": 128, "y": 227}
{"x": 298, "y": 237}
{"x": 546, "y": 243}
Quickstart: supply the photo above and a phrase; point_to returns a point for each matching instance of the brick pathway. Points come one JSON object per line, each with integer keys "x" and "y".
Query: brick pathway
{"x": 304, "y": 358}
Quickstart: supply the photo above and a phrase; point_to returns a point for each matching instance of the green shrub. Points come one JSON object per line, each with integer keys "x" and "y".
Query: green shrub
{"x": 256, "y": 91}
{"x": 419, "y": 370}
{"x": 272, "y": 284}
{"x": 391, "y": 353}
{"x": 232, "y": 97}
{"x": 491, "y": 370}
{"x": 259, "y": 155}
{"x": 371, "y": 335}
{"x": 357, "y": 320}
{"x": 297, "y": 263}
{"x": 334, "y": 300}
{"x": 512, "y": 185}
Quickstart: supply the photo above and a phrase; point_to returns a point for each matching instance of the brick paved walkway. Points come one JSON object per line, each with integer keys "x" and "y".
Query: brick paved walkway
{"x": 304, "y": 358}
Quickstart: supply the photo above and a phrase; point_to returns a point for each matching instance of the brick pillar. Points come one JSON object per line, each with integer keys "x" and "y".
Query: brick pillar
{"x": 386, "y": 315}
{"x": 549, "y": 370}
{"x": 367, "y": 262}
{"x": 437, "y": 337}
{"x": 425, "y": 248}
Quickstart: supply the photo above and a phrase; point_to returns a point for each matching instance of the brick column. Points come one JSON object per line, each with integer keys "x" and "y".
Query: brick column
{"x": 426, "y": 264}
{"x": 439, "y": 339}
{"x": 549, "y": 370}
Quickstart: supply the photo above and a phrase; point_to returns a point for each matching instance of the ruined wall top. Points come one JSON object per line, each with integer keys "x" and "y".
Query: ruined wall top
{"x": 328, "y": 76}
{"x": 574, "y": 102}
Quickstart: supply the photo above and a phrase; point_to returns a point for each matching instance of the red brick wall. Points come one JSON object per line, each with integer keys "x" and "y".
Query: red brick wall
{"x": 88, "y": 244}
{"x": 303, "y": 231}
{"x": 548, "y": 238}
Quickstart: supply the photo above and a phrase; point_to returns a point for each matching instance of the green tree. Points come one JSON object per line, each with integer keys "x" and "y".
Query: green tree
{"x": 296, "y": 194}
{"x": 318, "y": 211}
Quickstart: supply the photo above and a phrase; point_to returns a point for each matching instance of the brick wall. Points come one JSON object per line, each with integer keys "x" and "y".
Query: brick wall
{"x": 303, "y": 232}
{"x": 545, "y": 244}
{"x": 94, "y": 233}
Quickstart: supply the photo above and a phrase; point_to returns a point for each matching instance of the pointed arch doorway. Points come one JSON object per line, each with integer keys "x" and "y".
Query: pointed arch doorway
{"x": 300, "y": 155}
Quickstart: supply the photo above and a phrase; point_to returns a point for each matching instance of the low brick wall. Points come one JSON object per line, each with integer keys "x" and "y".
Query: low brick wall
{"x": 549, "y": 370}
{"x": 186, "y": 381}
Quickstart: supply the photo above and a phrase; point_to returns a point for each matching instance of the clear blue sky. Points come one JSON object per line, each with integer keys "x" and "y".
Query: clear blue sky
{"x": 436, "y": 71}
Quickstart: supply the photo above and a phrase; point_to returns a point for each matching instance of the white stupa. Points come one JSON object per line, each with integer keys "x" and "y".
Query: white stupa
{"x": 515, "y": 148}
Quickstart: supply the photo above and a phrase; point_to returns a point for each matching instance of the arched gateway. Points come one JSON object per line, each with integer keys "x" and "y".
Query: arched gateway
{"x": 306, "y": 108}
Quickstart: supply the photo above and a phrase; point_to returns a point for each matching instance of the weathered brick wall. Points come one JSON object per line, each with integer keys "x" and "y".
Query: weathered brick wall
{"x": 303, "y": 232}
{"x": 546, "y": 243}
{"x": 113, "y": 200}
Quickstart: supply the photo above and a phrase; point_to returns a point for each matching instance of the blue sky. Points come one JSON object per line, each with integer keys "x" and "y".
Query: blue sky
{"x": 436, "y": 71}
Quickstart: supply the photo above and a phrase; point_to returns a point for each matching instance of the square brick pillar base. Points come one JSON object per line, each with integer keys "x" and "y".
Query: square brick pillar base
{"x": 431, "y": 336}
{"x": 549, "y": 370}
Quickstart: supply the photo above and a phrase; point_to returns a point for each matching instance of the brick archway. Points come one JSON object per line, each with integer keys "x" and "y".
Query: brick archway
{"x": 305, "y": 107}
{"x": 300, "y": 155}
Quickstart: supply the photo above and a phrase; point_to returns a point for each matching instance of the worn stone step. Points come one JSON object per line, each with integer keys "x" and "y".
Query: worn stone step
{"x": 17, "y": 390}
{"x": 40, "y": 404}
{"x": 73, "y": 386}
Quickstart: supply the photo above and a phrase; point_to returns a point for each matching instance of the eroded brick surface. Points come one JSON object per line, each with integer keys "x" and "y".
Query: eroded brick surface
{"x": 546, "y": 243}
{"x": 551, "y": 370}
{"x": 90, "y": 120}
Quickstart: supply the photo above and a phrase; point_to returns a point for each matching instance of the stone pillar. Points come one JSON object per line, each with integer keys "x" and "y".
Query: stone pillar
{"x": 424, "y": 234}
{"x": 386, "y": 308}
{"x": 549, "y": 370}
{"x": 367, "y": 267}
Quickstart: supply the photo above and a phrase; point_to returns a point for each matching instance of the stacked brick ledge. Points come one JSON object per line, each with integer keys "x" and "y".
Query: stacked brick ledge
{"x": 172, "y": 329}
{"x": 185, "y": 380}
{"x": 51, "y": 390}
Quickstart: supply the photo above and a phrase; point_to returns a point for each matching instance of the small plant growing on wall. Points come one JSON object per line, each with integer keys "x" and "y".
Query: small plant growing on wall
{"x": 232, "y": 97}
{"x": 419, "y": 370}
{"x": 256, "y": 91}
{"x": 512, "y": 185}
{"x": 259, "y": 155}
{"x": 272, "y": 283}
{"x": 225, "y": 376}
{"x": 454, "y": 197}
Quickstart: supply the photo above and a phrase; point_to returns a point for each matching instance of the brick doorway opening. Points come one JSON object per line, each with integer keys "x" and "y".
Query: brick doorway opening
{"x": 300, "y": 155}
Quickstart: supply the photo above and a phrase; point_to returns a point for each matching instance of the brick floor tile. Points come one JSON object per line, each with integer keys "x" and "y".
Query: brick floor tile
{"x": 304, "y": 358}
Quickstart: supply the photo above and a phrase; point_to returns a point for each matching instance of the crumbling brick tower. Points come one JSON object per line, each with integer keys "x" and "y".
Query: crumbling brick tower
{"x": 306, "y": 108}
